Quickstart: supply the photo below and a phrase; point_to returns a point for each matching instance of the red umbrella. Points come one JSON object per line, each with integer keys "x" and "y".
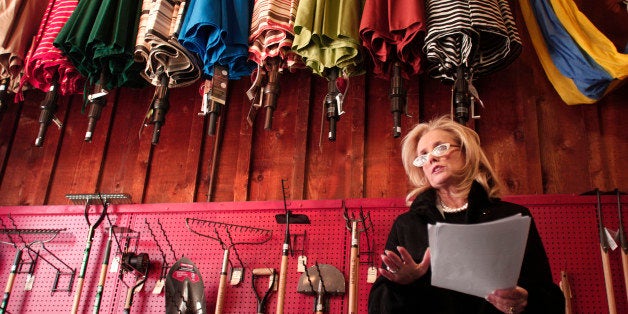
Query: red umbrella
{"x": 270, "y": 39}
{"x": 15, "y": 39}
{"x": 394, "y": 40}
{"x": 47, "y": 68}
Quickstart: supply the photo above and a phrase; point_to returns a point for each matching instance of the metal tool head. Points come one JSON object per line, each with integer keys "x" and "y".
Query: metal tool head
{"x": 99, "y": 198}
{"x": 291, "y": 218}
{"x": 333, "y": 280}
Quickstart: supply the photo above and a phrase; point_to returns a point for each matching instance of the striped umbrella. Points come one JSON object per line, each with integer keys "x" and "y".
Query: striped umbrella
{"x": 467, "y": 39}
{"x": 15, "y": 38}
{"x": 47, "y": 68}
{"x": 393, "y": 41}
{"x": 327, "y": 38}
{"x": 217, "y": 31}
{"x": 168, "y": 63}
{"x": 97, "y": 40}
{"x": 270, "y": 47}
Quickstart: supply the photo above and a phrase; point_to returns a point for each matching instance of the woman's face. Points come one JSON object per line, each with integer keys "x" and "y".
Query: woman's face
{"x": 439, "y": 170}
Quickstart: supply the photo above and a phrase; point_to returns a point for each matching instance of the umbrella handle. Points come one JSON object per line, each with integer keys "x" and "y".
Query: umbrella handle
{"x": 48, "y": 108}
{"x": 4, "y": 93}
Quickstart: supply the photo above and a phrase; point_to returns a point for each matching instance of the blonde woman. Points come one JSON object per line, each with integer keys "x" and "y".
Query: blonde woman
{"x": 453, "y": 182}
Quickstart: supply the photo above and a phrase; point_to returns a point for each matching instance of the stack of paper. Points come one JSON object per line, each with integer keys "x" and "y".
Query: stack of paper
{"x": 477, "y": 259}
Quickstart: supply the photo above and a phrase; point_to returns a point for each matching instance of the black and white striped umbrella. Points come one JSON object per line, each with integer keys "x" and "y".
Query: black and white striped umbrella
{"x": 467, "y": 39}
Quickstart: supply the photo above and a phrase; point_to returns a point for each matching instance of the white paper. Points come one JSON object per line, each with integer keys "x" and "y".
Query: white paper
{"x": 477, "y": 259}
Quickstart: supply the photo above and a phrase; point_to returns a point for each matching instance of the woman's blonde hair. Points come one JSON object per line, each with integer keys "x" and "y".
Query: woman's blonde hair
{"x": 476, "y": 166}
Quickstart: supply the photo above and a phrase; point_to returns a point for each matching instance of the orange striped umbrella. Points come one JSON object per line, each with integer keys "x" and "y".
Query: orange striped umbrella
{"x": 270, "y": 40}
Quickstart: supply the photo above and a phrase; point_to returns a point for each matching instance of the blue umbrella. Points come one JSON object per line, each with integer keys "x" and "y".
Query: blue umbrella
{"x": 217, "y": 32}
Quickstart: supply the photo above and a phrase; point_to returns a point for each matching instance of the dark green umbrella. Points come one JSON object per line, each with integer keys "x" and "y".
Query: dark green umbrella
{"x": 99, "y": 39}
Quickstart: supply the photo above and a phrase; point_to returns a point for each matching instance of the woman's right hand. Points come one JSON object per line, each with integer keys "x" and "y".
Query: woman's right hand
{"x": 401, "y": 268}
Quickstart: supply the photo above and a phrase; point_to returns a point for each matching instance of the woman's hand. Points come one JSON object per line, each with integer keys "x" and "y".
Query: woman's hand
{"x": 509, "y": 301}
{"x": 401, "y": 268}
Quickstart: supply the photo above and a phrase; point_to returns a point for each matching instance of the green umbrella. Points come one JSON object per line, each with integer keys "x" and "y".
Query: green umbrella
{"x": 99, "y": 39}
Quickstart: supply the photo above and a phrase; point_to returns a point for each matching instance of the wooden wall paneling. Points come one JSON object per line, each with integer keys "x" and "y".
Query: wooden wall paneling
{"x": 227, "y": 155}
{"x": 79, "y": 165}
{"x": 383, "y": 152}
{"x": 245, "y": 152}
{"x": 30, "y": 169}
{"x": 354, "y": 164}
{"x": 615, "y": 136}
{"x": 175, "y": 159}
{"x": 320, "y": 177}
{"x": 9, "y": 118}
{"x": 280, "y": 153}
{"x": 303, "y": 102}
{"x": 129, "y": 148}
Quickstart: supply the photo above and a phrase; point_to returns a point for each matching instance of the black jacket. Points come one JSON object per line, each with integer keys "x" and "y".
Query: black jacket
{"x": 410, "y": 231}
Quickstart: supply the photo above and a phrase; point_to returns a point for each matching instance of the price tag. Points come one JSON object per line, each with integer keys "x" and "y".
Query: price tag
{"x": 371, "y": 274}
{"x": 302, "y": 261}
{"x": 236, "y": 276}
{"x": 30, "y": 279}
{"x": 159, "y": 286}
{"x": 113, "y": 267}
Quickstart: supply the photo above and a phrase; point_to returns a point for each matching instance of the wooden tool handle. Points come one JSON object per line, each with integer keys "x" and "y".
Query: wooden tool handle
{"x": 566, "y": 288}
{"x": 77, "y": 295}
{"x": 608, "y": 281}
{"x": 354, "y": 269}
{"x": 220, "y": 298}
{"x": 624, "y": 263}
{"x": 281, "y": 293}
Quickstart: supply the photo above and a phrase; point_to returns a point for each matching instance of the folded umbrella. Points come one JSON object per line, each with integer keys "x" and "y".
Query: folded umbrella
{"x": 327, "y": 38}
{"x": 393, "y": 41}
{"x": 99, "y": 39}
{"x": 168, "y": 63}
{"x": 217, "y": 31}
{"x": 17, "y": 17}
{"x": 270, "y": 40}
{"x": 47, "y": 68}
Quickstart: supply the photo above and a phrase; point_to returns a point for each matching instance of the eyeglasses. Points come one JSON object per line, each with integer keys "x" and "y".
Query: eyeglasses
{"x": 438, "y": 151}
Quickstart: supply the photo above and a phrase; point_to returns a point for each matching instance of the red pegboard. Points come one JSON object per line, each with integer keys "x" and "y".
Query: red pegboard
{"x": 567, "y": 225}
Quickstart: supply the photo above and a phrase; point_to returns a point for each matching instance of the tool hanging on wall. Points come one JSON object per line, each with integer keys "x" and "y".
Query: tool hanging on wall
{"x": 320, "y": 280}
{"x": 246, "y": 235}
{"x": 622, "y": 241}
{"x": 138, "y": 265}
{"x": 113, "y": 230}
{"x": 566, "y": 288}
{"x": 262, "y": 300}
{"x": 184, "y": 288}
{"x": 18, "y": 263}
{"x": 165, "y": 266}
{"x": 105, "y": 200}
{"x": 604, "y": 251}
{"x": 287, "y": 219}
{"x": 354, "y": 261}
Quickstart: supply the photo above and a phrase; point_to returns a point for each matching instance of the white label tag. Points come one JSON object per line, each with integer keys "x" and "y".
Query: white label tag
{"x": 159, "y": 286}
{"x": 610, "y": 238}
{"x": 236, "y": 276}
{"x": 113, "y": 267}
{"x": 302, "y": 261}
{"x": 30, "y": 279}
{"x": 371, "y": 274}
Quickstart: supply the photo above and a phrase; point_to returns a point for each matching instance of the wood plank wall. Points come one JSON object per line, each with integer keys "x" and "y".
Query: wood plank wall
{"x": 538, "y": 144}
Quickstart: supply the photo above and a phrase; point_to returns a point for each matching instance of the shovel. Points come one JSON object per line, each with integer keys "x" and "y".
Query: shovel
{"x": 319, "y": 280}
